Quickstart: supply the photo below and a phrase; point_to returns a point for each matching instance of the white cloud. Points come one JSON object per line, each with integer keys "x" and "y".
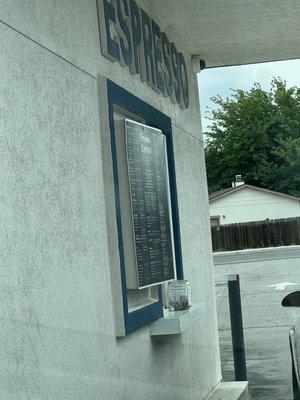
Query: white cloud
{"x": 219, "y": 81}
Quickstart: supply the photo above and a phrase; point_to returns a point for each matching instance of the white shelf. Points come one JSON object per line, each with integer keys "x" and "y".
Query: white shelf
{"x": 231, "y": 391}
{"x": 176, "y": 322}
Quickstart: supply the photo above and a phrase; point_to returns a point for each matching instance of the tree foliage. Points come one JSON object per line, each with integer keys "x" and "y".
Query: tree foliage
{"x": 256, "y": 133}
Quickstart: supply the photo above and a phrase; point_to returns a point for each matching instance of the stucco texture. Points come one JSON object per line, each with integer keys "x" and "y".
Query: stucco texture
{"x": 52, "y": 235}
{"x": 69, "y": 28}
{"x": 235, "y": 32}
{"x": 57, "y": 217}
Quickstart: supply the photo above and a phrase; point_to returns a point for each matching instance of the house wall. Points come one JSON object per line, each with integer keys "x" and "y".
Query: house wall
{"x": 58, "y": 231}
{"x": 248, "y": 204}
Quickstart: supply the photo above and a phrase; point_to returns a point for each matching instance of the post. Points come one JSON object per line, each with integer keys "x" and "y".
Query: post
{"x": 237, "y": 333}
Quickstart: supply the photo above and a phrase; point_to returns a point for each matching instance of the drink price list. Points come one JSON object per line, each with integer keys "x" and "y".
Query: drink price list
{"x": 148, "y": 180}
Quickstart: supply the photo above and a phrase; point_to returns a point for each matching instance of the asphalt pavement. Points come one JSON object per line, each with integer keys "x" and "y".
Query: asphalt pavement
{"x": 266, "y": 277}
{"x": 254, "y": 255}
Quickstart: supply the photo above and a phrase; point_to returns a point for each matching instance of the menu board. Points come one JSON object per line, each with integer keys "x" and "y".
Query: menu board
{"x": 150, "y": 205}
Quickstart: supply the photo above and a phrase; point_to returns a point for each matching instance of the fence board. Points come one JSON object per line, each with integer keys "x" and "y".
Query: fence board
{"x": 256, "y": 234}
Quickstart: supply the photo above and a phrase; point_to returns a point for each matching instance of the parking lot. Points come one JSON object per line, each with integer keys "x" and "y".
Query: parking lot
{"x": 266, "y": 277}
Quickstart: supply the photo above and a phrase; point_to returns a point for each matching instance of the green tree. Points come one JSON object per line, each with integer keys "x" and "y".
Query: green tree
{"x": 256, "y": 133}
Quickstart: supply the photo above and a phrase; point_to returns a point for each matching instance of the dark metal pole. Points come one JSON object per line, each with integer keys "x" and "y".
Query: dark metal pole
{"x": 237, "y": 333}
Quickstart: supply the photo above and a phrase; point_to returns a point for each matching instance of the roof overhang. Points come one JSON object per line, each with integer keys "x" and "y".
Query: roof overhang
{"x": 234, "y": 32}
{"x": 227, "y": 192}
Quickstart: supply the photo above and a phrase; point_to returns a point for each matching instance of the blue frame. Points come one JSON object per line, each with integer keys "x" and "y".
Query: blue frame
{"x": 118, "y": 96}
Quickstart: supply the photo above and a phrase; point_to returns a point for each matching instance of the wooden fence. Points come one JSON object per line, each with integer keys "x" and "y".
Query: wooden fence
{"x": 258, "y": 234}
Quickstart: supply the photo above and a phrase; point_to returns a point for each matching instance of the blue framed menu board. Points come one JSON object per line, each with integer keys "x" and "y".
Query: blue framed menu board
{"x": 150, "y": 203}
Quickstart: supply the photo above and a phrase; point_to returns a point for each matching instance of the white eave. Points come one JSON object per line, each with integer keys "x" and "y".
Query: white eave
{"x": 234, "y": 32}
{"x": 236, "y": 189}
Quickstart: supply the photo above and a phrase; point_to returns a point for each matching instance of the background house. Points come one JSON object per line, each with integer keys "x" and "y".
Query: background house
{"x": 246, "y": 203}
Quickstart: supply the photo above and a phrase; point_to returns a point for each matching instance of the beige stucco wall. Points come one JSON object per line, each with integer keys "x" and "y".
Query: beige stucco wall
{"x": 58, "y": 231}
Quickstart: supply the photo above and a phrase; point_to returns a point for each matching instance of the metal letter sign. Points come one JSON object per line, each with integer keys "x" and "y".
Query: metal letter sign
{"x": 130, "y": 37}
{"x": 149, "y": 190}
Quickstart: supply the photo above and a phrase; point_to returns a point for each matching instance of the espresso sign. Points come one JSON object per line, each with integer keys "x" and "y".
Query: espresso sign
{"x": 130, "y": 37}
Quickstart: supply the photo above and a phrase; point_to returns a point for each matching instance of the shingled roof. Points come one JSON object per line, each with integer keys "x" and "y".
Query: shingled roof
{"x": 220, "y": 193}
{"x": 224, "y": 192}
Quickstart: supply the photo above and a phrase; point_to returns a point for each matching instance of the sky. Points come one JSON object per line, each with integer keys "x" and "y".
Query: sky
{"x": 220, "y": 81}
